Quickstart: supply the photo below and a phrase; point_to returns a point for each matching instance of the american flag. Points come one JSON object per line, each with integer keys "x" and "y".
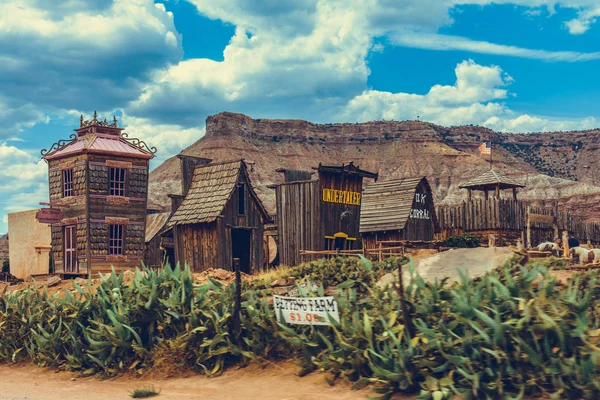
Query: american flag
{"x": 485, "y": 148}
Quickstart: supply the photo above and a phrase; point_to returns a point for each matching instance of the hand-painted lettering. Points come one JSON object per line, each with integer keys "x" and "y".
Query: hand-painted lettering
{"x": 341, "y": 197}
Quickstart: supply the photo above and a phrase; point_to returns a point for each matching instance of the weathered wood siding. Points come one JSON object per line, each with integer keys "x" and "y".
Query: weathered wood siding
{"x": 153, "y": 256}
{"x": 209, "y": 245}
{"x": 420, "y": 224}
{"x": 331, "y": 212}
{"x": 299, "y": 220}
{"x": 90, "y": 206}
{"x": 130, "y": 208}
{"x": 74, "y": 214}
{"x": 509, "y": 217}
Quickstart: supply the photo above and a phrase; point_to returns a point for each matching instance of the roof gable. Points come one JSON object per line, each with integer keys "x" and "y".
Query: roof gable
{"x": 211, "y": 188}
{"x": 386, "y": 205}
{"x": 491, "y": 179}
{"x": 154, "y": 224}
{"x": 349, "y": 168}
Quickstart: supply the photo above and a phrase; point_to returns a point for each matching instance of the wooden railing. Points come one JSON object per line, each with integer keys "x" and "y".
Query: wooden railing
{"x": 511, "y": 215}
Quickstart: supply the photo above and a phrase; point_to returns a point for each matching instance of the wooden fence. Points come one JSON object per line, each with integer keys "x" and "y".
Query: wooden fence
{"x": 509, "y": 217}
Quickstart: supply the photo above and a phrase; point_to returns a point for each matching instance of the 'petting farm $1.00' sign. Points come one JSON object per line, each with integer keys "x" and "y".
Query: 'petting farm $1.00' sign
{"x": 306, "y": 310}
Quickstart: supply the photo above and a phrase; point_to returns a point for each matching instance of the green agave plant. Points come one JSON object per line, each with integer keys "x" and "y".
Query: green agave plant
{"x": 505, "y": 335}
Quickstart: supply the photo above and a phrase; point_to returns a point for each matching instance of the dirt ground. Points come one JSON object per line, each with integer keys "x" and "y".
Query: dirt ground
{"x": 473, "y": 262}
{"x": 276, "y": 382}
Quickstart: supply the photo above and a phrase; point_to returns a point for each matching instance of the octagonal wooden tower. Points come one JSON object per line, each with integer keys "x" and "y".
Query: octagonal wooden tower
{"x": 99, "y": 178}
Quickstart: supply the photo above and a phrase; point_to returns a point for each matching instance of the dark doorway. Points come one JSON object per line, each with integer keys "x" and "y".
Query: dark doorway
{"x": 170, "y": 256}
{"x": 240, "y": 248}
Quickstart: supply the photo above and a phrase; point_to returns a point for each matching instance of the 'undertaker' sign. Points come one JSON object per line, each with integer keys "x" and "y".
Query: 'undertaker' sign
{"x": 341, "y": 197}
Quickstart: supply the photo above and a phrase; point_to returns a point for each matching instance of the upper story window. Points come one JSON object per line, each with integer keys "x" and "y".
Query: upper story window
{"x": 242, "y": 199}
{"x": 67, "y": 177}
{"x": 115, "y": 239}
{"x": 117, "y": 182}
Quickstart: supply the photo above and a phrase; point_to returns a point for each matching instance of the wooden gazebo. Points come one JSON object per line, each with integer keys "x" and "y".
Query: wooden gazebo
{"x": 494, "y": 181}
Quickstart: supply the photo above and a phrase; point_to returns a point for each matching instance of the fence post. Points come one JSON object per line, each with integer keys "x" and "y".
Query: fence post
{"x": 237, "y": 327}
{"x": 565, "y": 240}
{"x": 401, "y": 295}
{"x": 528, "y": 227}
{"x": 380, "y": 254}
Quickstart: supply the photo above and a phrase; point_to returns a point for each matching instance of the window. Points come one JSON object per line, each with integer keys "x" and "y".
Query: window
{"x": 67, "y": 175}
{"x": 115, "y": 240}
{"x": 70, "y": 247}
{"x": 242, "y": 199}
{"x": 117, "y": 182}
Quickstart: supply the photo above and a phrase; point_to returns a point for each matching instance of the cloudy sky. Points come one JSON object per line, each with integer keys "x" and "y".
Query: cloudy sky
{"x": 162, "y": 67}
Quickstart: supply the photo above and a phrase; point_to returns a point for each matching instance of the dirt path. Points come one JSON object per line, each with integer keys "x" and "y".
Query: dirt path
{"x": 28, "y": 382}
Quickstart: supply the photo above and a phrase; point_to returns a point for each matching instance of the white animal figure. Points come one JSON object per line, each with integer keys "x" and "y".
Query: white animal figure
{"x": 548, "y": 246}
{"x": 585, "y": 256}
{"x": 596, "y": 255}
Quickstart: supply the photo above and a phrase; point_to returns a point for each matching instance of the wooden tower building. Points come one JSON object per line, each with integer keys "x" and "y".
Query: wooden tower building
{"x": 99, "y": 179}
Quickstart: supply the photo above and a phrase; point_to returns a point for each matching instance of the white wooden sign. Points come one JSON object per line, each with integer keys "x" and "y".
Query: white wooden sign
{"x": 306, "y": 310}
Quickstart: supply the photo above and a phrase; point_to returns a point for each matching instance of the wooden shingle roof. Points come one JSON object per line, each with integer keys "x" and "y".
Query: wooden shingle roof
{"x": 211, "y": 188}
{"x": 489, "y": 180}
{"x": 386, "y": 205}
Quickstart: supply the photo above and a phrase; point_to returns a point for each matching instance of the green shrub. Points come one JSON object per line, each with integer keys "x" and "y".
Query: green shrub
{"x": 507, "y": 334}
{"x": 462, "y": 241}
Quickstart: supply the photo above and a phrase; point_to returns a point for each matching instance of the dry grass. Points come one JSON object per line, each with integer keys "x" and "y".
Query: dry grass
{"x": 144, "y": 393}
{"x": 273, "y": 274}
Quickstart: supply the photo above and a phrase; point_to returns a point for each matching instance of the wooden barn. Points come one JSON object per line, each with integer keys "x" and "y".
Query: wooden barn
{"x": 99, "y": 179}
{"x": 397, "y": 210}
{"x": 319, "y": 215}
{"x": 218, "y": 218}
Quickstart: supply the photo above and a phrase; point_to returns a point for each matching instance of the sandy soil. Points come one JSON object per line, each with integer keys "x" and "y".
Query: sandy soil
{"x": 474, "y": 262}
{"x": 277, "y": 382}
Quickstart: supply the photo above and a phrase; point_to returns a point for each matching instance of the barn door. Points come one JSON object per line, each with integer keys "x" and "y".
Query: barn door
{"x": 240, "y": 248}
{"x": 70, "y": 255}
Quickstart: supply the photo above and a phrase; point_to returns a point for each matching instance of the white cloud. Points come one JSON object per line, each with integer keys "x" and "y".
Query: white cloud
{"x": 78, "y": 54}
{"x": 287, "y": 59}
{"x": 475, "y": 98}
{"x": 168, "y": 139}
{"x": 268, "y": 72}
{"x": 23, "y": 181}
{"x": 289, "y": 17}
{"x": 513, "y": 122}
{"x": 584, "y": 20}
{"x": 447, "y": 42}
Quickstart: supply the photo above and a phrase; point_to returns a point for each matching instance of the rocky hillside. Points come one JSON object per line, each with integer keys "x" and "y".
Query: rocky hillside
{"x": 3, "y": 249}
{"x": 554, "y": 166}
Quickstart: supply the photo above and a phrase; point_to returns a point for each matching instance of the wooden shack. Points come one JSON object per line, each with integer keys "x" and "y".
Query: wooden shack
{"x": 99, "y": 179}
{"x": 319, "y": 215}
{"x": 219, "y": 218}
{"x": 397, "y": 210}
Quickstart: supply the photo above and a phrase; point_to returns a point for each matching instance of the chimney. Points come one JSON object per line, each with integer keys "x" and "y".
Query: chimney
{"x": 188, "y": 165}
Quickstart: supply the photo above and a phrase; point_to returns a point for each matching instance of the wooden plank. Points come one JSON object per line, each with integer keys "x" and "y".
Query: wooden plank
{"x": 541, "y": 218}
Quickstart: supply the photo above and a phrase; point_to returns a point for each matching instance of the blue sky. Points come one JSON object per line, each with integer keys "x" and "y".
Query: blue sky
{"x": 162, "y": 67}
